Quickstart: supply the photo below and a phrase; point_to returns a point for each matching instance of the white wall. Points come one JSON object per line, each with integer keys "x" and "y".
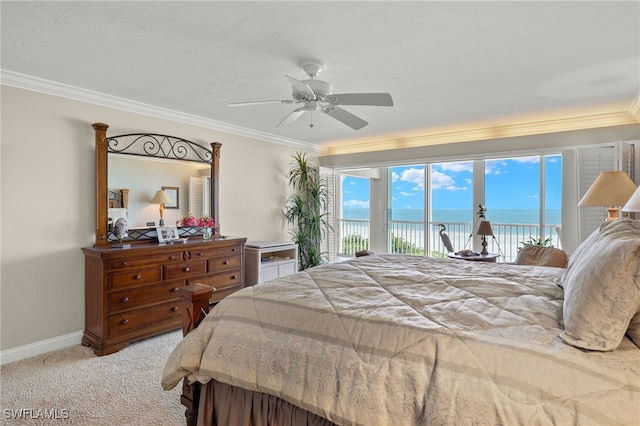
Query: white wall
{"x": 47, "y": 210}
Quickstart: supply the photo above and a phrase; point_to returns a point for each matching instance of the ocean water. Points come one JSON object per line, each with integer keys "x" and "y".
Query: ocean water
{"x": 515, "y": 216}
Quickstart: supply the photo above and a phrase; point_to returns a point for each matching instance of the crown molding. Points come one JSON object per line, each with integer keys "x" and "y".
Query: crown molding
{"x": 497, "y": 131}
{"x": 35, "y": 84}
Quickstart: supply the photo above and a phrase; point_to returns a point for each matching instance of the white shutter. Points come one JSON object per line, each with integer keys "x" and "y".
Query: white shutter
{"x": 196, "y": 195}
{"x": 329, "y": 243}
{"x": 206, "y": 196}
{"x": 592, "y": 161}
{"x": 630, "y": 159}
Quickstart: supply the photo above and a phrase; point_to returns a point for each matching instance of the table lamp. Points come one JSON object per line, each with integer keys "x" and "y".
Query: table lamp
{"x": 610, "y": 189}
{"x": 161, "y": 198}
{"x": 484, "y": 229}
{"x": 633, "y": 205}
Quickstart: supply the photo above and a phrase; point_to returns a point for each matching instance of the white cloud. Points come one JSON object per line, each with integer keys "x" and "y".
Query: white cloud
{"x": 464, "y": 166}
{"x": 407, "y": 194}
{"x": 414, "y": 176}
{"x": 356, "y": 204}
{"x": 394, "y": 177}
{"x": 440, "y": 180}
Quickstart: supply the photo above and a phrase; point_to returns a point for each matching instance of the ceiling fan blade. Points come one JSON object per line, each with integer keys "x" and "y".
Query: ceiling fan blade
{"x": 370, "y": 99}
{"x": 303, "y": 87}
{"x": 284, "y": 101}
{"x": 293, "y": 116}
{"x": 353, "y": 121}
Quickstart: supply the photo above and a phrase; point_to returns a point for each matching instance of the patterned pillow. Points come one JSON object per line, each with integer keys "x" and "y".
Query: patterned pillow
{"x": 602, "y": 287}
{"x": 634, "y": 329}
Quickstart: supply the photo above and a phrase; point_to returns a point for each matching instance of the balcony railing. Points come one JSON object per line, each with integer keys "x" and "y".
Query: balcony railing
{"x": 408, "y": 237}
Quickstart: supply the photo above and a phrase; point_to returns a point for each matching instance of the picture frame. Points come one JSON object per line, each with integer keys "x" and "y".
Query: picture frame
{"x": 172, "y": 192}
{"x": 167, "y": 233}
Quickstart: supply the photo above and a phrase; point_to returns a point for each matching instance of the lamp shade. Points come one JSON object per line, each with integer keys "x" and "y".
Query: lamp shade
{"x": 609, "y": 189}
{"x": 633, "y": 205}
{"x": 161, "y": 197}
{"x": 484, "y": 228}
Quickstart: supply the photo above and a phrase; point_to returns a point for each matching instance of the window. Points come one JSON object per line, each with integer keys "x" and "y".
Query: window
{"x": 522, "y": 196}
{"x": 354, "y": 215}
{"x": 451, "y": 204}
{"x": 406, "y": 219}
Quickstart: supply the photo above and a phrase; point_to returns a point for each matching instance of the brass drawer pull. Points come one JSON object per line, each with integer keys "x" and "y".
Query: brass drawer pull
{"x": 174, "y": 309}
{"x": 125, "y": 263}
{"x": 124, "y": 322}
{"x": 172, "y": 257}
{"x": 174, "y": 289}
{"x": 186, "y": 269}
{"x": 138, "y": 277}
{"x": 234, "y": 277}
{"x": 124, "y": 299}
{"x": 233, "y": 249}
{"x": 226, "y": 262}
{"x": 200, "y": 254}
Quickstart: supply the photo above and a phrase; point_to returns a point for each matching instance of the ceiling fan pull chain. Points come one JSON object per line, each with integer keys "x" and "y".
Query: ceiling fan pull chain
{"x": 311, "y": 120}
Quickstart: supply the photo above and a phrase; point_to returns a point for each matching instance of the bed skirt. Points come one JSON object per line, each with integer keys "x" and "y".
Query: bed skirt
{"x": 225, "y": 405}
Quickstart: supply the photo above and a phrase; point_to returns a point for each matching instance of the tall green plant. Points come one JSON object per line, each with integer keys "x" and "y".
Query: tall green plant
{"x": 306, "y": 210}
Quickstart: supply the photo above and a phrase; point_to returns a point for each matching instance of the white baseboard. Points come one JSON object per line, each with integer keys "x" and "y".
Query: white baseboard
{"x": 41, "y": 347}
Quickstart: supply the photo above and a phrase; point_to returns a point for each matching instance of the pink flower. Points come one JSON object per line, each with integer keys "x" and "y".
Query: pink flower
{"x": 202, "y": 222}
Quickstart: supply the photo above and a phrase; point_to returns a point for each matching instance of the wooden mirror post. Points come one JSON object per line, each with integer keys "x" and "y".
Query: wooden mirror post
{"x": 102, "y": 195}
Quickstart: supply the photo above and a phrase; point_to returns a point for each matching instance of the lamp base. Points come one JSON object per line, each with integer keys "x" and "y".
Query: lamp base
{"x": 614, "y": 213}
{"x": 484, "y": 251}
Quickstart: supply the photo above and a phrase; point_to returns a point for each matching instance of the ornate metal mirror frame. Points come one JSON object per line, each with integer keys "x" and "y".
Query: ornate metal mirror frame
{"x": 148, "y": 145}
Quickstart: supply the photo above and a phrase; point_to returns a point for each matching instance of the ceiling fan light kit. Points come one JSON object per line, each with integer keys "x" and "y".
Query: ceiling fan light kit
{"x": 317, "y": 95}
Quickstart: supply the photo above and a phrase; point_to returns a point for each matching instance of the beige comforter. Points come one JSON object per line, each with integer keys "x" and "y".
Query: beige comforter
{"x": 401, "y": 340}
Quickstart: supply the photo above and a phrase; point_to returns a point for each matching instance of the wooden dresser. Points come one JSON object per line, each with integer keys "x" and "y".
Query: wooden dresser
{"x": 131, "y": 294}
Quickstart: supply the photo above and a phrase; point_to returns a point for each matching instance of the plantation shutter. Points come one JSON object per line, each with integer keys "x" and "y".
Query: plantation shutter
{"x": 592, "y": 161}
{"x": 199, "y": 196}
{"x": 329, "y": 245}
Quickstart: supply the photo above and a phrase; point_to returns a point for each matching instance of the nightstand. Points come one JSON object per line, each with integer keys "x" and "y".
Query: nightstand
{"x": 268, "y": 260}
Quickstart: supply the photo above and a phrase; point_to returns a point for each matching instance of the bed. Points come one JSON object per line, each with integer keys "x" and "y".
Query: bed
{"x": 404, "y": 340}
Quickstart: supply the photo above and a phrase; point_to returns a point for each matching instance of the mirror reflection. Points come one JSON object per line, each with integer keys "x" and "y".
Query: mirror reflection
{"x": 186, "y": 182}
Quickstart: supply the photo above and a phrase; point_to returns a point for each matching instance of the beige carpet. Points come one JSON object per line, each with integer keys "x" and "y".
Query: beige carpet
{"x": 80, "y": 388}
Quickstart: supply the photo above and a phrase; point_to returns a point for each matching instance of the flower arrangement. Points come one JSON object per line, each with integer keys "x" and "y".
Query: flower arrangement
{"x": 191, "y": 220}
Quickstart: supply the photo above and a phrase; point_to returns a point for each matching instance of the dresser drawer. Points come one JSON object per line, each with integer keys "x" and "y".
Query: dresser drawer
{"x": 135, "y": 277}
{"x": 220, "y": 280}
{"x": 135, "y": 320}
{"x": 186, "y": 269}
{"x": 131, "y": 299}
{"x": 137, "y": 262}
{"x": 217, "y": 251}
{"x": 224, "y": 262}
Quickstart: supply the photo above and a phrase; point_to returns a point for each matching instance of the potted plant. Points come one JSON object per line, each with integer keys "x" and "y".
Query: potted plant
{"x": 306, "y": 210}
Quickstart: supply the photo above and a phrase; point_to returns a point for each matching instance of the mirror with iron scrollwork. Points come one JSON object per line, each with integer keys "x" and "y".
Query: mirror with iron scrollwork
{"x": 130, "y": 168}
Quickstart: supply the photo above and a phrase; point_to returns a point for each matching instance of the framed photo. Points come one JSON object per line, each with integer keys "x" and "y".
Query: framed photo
{"x": 167, "y": 233}
{"x": 172, "y": 192}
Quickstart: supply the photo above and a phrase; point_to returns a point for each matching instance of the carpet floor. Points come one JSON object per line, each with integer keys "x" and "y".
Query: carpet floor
{"x": 74, "y": 386}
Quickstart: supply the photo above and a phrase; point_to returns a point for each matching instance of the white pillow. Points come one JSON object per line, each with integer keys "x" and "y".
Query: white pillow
{"x": 602, "y": 287}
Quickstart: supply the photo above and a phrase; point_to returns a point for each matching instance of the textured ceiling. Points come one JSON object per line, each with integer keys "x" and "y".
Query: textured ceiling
{"x": 445, "y": 63}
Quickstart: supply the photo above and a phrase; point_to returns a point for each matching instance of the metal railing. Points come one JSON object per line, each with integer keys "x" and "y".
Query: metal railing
{"x": 408, "y": 237}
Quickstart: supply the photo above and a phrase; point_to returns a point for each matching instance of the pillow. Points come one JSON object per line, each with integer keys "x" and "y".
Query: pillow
{"x": 542, "y": 256}
{"x": 602, "y": 287}
{"x": 634, "y": 329}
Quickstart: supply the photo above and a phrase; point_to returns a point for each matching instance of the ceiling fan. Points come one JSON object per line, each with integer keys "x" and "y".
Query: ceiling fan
{"x": 316, "y": 95}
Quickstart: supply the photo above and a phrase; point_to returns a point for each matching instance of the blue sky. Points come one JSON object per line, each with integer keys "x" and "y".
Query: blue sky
{"x": 509, "y": 184}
